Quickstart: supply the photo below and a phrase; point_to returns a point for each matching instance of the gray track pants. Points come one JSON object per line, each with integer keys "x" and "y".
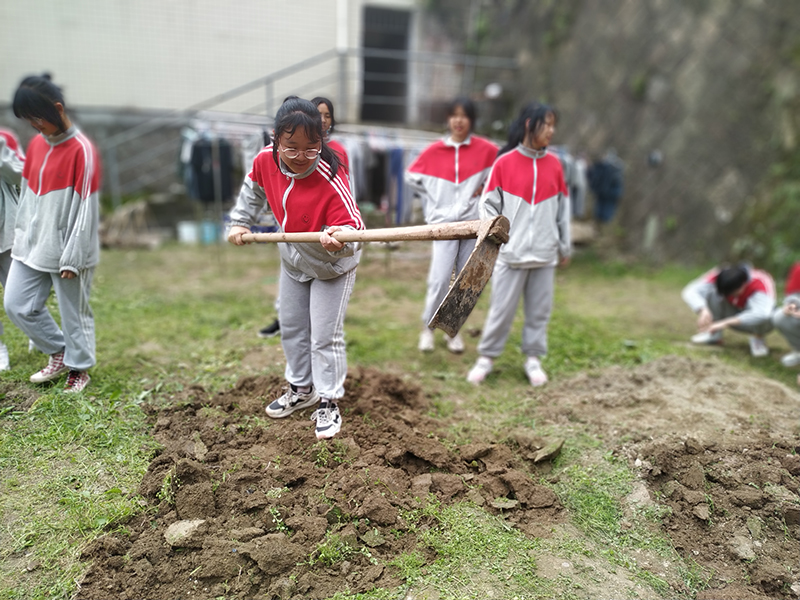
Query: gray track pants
{"x": 788, "y": 326}
{"x": 5, "y": 265}
{"x": 536, "y": 286}
{"x": 722, "y": 309}
{"x": 25, "y": 303}
{"x": 446, "y": 255}
{"x": 312, "y": 331}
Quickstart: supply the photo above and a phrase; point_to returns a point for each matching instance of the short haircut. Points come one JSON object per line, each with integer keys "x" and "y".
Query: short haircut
{"x": 730, "y": 279}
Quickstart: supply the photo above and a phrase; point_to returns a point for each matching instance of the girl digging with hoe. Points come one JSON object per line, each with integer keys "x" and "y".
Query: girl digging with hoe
{"x": 299, "y": 176}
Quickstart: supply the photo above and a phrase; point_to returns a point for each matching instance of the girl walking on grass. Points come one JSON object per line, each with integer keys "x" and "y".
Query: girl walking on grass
{"x": 526, "y": 185}
{"x": 56, "y": 241}
{"x": 299, "y": 176}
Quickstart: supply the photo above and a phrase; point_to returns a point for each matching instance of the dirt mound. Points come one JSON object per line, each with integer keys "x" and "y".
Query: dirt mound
{"x": 729, "y": 478}
{"x": 248, "y": 507}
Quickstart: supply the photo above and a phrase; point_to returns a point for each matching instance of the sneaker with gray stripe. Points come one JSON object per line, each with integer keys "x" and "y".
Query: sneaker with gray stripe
{"x": 291, "y": 401}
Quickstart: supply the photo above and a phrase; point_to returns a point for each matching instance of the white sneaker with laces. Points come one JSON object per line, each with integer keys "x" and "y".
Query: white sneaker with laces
{"x": 483, "y": 366}
{"x": 707, "y": 338}
{"x": 533, "y": 369}
{"x": 426, "y": 340}
{"x": 4, "y": 362}
{"x": 791, "y": 360}
{"x": 758, "y": 348}
{"x": 329, "y": 420}
{"x": 291, "y": 401}
{"x": 455, "y": 344}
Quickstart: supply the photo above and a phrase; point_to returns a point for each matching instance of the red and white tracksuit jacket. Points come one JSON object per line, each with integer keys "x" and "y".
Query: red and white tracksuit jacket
{"x": 448, "y": 176}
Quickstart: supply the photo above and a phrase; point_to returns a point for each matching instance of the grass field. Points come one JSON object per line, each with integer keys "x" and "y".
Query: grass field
{"x": 186, "y": 315}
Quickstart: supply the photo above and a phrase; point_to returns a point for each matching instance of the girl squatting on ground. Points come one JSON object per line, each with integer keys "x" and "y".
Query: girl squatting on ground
{"x": 526, "y": 185}
{"x": 299, "y": 176}
{"x": 56, "y": 241}
{"x": 739, "y": 297}
{"x": 12, "y": 160}
{"x": 449, "y": 176}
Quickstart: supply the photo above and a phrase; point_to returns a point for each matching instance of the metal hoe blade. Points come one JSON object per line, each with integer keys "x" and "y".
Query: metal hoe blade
{"x": 466, "y": 289}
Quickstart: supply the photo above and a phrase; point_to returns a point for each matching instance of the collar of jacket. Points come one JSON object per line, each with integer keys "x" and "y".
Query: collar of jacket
{"x": 448, "y": 141}
{"x": 56, "y": 139}
{"x": 530, "y": 152}
{"x": 289, "y": 173}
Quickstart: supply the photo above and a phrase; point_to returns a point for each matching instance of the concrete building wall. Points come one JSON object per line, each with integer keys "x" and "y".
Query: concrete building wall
{"x": 173, "y": 54}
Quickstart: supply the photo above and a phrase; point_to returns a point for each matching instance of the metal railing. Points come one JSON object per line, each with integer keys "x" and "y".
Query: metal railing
{"x": 162, "y": 156}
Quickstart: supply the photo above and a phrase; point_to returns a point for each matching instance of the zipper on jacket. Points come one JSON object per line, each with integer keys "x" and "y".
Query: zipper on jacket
{"x": 457, "y": 147}
{"x": 283, "y": 203}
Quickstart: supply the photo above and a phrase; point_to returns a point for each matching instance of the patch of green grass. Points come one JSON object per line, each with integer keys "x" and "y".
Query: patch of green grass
{"x": 591, "y": 487}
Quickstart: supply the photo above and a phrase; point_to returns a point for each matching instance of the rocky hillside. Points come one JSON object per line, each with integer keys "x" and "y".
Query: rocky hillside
{"x": 711, "y": 85}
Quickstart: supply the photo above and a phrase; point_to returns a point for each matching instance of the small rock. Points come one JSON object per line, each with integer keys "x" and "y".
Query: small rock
{"x": 549, "y": 452}
{"x": 701, "y": 512}
{"x": 179, "y": 534}
{"x": 741, "y": 547}
{"x": 504, "y": 503}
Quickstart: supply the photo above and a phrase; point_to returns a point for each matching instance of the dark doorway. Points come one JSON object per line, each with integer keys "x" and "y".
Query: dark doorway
{"x": 385, "y": 79}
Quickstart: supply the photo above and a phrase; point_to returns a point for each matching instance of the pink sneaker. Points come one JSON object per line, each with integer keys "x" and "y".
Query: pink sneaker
{"x": 54, "y": 369}
{"x": 533, "y": 369}
{"x": 76, "y": 381}
{"x": 482, "y": 367}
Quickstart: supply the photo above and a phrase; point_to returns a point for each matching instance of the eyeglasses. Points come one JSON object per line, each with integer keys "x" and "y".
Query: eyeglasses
{"x": 291, "y": 153}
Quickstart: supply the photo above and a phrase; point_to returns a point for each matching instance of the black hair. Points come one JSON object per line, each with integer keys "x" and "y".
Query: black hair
{"x": 469, "y": 109}
{"x": 323, "y": 100}
{"x": 36, "y": 98}
{"x": 535, "y": 114}
{"x": 294, "y": 114}
{"x": 730, "y": 279}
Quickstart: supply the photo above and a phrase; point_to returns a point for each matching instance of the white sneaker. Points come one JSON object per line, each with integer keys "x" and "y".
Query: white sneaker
{"x": 791, "y": 360}
{"x": 31, "y": 346}
{"x": 482, "y": 367}
{"x": 426, "y": 340}
{"x": 4, "y": 364}
{"x": 533, "y": 369}
{"x": 758, "y": 348}
{"x": 707, "y": 338}
{"x": 455, "y": 344}
{"x": 329, "y": 420}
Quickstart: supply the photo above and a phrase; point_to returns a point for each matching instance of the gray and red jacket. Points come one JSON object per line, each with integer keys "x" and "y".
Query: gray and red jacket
{"x": 754, "y": 304}
{"x": 527, "y": 186}
{"x": 59, "y": 209}
{"x": 448, "y": 176}
{"x": 309, "y": 201}
{"x": 12, "y": 160}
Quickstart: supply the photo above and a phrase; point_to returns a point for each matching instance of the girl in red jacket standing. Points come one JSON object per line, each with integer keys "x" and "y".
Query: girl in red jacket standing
{"x": 449, "y": 176}
{"x": 56, "y": 240}
{"x": 299, "y": 176}
{"x": 526, "y": 185}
